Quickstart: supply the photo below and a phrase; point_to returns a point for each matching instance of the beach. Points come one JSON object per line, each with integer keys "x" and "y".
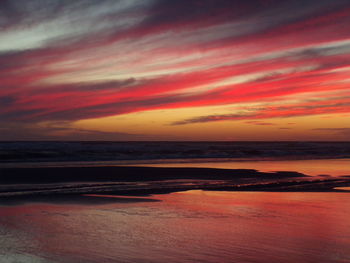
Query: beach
{"x": 138, "y": 180}
{"x": 192, "y": 226}
{"x": 174, "y": 131}
{"x": 175, "y": 210}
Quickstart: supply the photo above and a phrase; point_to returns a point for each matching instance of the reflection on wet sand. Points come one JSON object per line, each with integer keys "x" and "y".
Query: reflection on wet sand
{"x": 192, "y": 226}
{"x": 71, "y": 200}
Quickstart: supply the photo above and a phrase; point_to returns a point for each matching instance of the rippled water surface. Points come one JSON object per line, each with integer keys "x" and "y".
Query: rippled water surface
{"x": 194, "y": 226}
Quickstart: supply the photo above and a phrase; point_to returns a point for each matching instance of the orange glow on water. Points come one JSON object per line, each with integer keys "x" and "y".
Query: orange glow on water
{"x": 332, "y": 167}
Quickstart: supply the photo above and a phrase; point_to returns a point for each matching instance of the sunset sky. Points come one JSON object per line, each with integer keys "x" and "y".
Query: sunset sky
{"x": 174, "y": 70}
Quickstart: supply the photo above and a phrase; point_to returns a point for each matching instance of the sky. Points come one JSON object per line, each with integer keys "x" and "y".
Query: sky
{"x": 175, "y": 70}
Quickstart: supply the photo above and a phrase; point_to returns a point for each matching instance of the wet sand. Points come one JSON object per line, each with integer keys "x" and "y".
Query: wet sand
{"x": 191, "y": 226}
{"x": 172, "y": 214}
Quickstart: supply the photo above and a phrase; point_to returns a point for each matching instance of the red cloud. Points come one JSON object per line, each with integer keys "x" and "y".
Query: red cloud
{"x": 285, "y": 111}
{"x": 283, "y": 50}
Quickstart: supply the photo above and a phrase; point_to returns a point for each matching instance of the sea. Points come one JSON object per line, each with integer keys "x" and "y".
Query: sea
{"x": 189, "y": 226}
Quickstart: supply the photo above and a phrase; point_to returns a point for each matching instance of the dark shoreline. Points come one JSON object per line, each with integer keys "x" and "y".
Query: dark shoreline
{"x": 128, "y": 174}
{"x": 70, "y": 183}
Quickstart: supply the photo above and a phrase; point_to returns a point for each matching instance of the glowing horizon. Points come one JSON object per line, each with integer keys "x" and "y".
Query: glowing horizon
{"x": 175, "y": 70}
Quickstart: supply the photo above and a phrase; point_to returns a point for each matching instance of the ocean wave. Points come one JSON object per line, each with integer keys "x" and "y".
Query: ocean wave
{"x": 109, "y": 151}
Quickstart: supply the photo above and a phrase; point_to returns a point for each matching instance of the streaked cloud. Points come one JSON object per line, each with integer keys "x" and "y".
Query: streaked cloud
{"x": 75, "y": 60}
{"x": 337, "y": 131}
{"x": 277, "y": 111}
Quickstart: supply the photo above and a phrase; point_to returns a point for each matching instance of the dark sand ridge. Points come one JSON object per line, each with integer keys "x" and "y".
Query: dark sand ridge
{"x": 74, "y": 181}
{"x": 128, "y": 174}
